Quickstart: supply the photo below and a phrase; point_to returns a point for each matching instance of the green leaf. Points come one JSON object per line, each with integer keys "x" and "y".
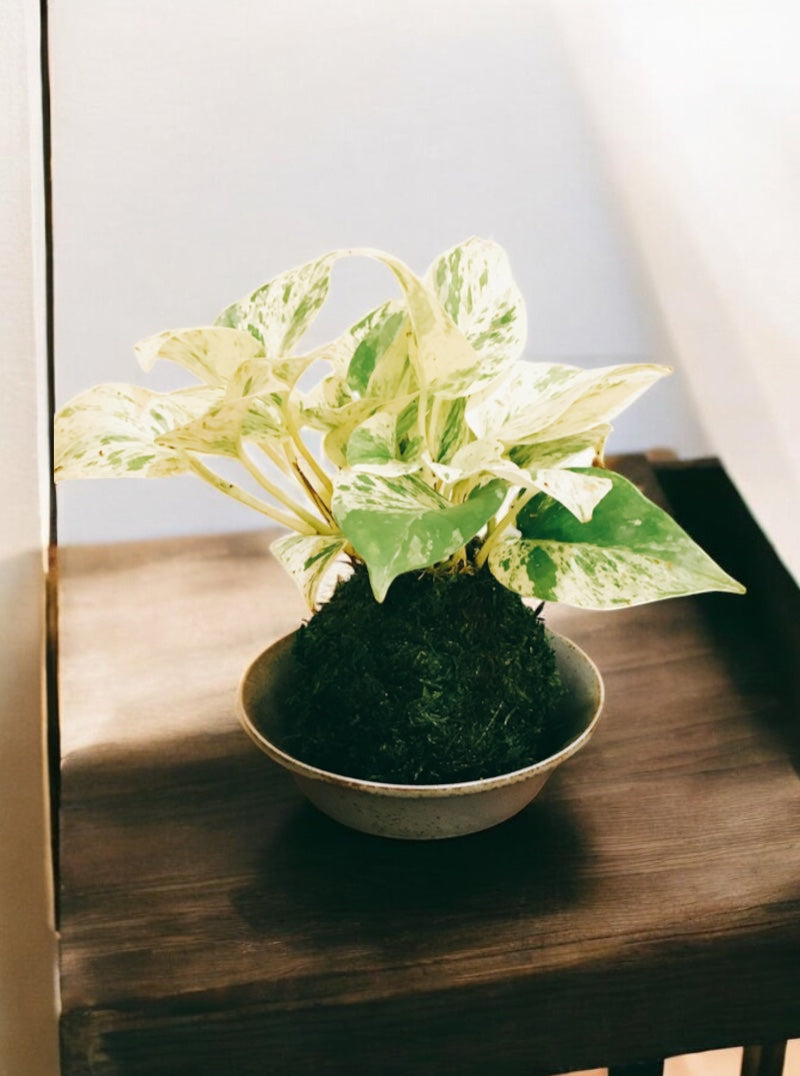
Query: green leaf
{"x": 400, "y": 524}
{"x": 630, "y": 552}
{"x": 113, "y": 431}
{"x": 308, "y": 559}
{"x": 473, "y": 282}
{"x": 212, "y": 354}
{"x": 279, "y": 312}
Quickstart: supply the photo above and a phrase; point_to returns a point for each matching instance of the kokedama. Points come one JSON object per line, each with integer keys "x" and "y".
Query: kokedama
{"x": 453, "y": 477}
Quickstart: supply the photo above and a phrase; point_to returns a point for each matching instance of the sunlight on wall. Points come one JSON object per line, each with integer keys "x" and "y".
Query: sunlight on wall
{"x": 696, "y": 109}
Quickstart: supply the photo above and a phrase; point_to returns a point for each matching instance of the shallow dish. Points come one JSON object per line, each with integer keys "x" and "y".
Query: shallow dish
{"x": 419, "y": 812}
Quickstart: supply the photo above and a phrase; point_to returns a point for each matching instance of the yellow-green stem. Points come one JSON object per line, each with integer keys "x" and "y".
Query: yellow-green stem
{"x": 312, "y": 492}
{"x": 303, "y": 449}
{"x": 279, "y": 494}
{"x": 241, "y": 495}
{"x": 275, "y": 457}
{"x": 503, "y": 523}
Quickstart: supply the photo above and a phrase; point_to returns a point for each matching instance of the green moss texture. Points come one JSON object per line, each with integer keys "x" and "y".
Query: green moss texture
{"x": 449, "y": 679}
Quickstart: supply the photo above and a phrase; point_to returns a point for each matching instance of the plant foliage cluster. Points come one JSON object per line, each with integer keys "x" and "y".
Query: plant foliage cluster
{"x": 439, "y": 445}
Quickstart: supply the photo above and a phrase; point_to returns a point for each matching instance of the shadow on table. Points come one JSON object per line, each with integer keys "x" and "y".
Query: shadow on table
{"x": 315, "y": 873}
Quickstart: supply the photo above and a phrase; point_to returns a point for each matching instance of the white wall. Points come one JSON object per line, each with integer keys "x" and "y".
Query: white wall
{"x": 28, "y": 1043}
{"x": 200, "y": 147}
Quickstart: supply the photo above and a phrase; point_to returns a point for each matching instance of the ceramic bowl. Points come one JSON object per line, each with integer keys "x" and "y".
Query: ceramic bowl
{"x": 420, "y": 812}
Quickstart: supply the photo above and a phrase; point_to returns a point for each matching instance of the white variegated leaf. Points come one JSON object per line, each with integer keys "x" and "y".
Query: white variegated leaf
{"x": 448, "y": 429}
{"x": 339, "y": 423}
{"x": 279, "y": 312}
{"x": 476, "y": 459}
{"x": 325, "y": 405}
{"x": 309, "y": 560}
{"x": 578, "y": 492}
{"x": 473, "y": 282}
{"x": 252, "y": 377}
{"x": 220, "y": 430}
{"x": 212, "y": 354}
{"x": 114, "y": 431}
{"x": 604, "y": 393}
{"x": 577, "y": 450}
{"x": 372, "y": 447}
{"x": 545, "y": 401}
{"x": 382, "y": 330}
{"x": 444, "y": 359}
{"x": 400, "y": 524}
{"x": 630, "y": 552}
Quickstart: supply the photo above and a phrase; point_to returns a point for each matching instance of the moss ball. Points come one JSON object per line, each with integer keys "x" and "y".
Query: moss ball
{"x": 450, "y": 679}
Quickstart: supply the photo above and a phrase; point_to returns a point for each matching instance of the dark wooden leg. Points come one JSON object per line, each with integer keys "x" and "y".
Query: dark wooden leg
{"x": 764, "y": 1060}
{"x": 639, "y": 1068}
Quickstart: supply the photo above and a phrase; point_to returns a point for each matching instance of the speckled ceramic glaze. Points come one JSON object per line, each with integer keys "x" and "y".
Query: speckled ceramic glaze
{"x": 419, "y": 812}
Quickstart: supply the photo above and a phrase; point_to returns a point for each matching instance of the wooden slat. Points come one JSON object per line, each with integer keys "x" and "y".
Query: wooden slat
{"x": 647, "y": 904}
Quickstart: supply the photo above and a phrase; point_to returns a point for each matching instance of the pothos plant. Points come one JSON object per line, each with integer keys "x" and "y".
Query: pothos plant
{"x": 443, "y": 453}
{"x": 439, "y": 443}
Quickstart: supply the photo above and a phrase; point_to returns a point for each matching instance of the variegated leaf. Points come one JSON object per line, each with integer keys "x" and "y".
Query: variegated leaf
{"x": 448, "y": 429}
{"x": 340, "y": 423}
{"x": 251, "y": 377}
{"x": 279, "y": 312}
{"x": 381, "y": 330}
{"x": 113, "y": 431}
{"x": 445, "y": 361}
{"x": 629, "y": 553}
{"x": 579, "y": 493}
{"x": 473, "y": 282}
{"x": 372, "y": 447}
{"x": 545, "y": 401}
{"x": 604, "y": 393}
{"x": 213, "y": 354}
{"x": 577, "y": 450}
{"x": 400, "y": 524}
{"x": 218, "y": 432}
{"x": 308, "y": 559}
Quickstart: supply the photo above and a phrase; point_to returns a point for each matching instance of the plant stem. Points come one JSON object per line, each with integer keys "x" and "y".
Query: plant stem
{"x": 503, "y": 523}
{"x": 434, "y": 419}
{"x": 302, "y": 448}
{"x": 279, "y": 495}
{"x": 241, "y": 495}
{"x": 310, "y": 490}
{"x": 275, "y": 457}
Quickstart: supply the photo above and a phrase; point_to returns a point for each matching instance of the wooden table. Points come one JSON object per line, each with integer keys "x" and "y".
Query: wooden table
{"x": 647, "y": 904}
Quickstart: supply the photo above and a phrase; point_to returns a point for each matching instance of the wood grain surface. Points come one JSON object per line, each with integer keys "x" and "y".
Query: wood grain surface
{"x": 647, "y": 904}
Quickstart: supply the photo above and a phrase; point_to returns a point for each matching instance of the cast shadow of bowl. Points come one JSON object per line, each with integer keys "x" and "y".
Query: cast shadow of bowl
{"x": 322, "y": 882}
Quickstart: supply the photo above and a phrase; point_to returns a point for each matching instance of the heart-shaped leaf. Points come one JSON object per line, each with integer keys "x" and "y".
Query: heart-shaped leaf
{"x": 308, "y": 559}
{"x": 630, "y": 552}
{"x": 400, "y": 524}
{"x": 474, "y": 284}
{"x": 545, "y": 401}
{"x": 212, "y": 354}
{"x": 113, "y": 431}
{"x": 279, "y": 312}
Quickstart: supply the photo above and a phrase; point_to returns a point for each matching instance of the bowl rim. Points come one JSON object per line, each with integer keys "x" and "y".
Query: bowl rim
{"x": 484, "y": 784}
